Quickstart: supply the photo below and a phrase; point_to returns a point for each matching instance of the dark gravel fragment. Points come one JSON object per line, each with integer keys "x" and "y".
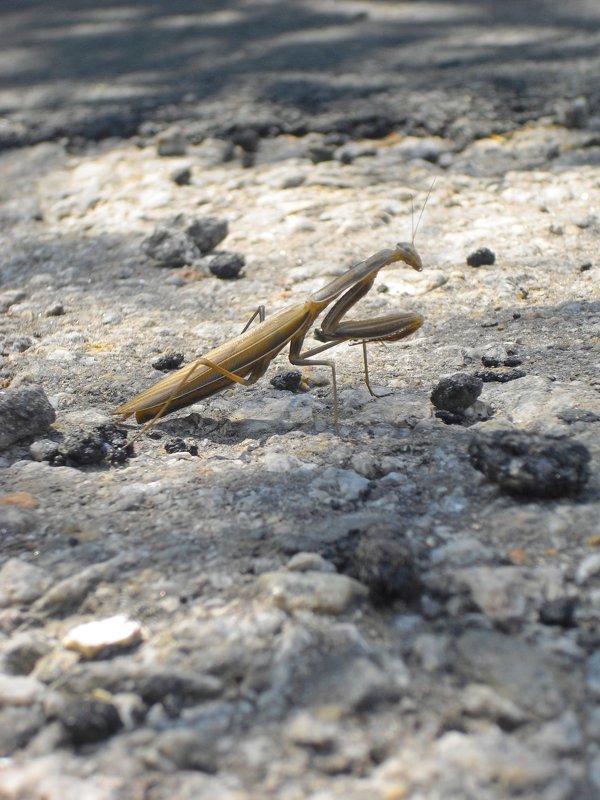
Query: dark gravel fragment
{"x": 88, "y": 721}
{"x": 489, "y": 376}
{"x": 86, "y": 448}
{"x": 207, "y": 232}
{"x": 386, "y": 566}
{"x": 319, "y": 152}
{"x": 288, "y": 381}
{"x": 246, "y": 138}
{"x": 573, "y": 415}
{"x": 450, "y": 417}
{"x": 178, "y": 445}
{"x": 482, "y": 257}
{"x": 25, "y": 411}
{"x": 180, "y": 240}
{"x": 529, "y": 464}
{"x": 491, "y": 361}
{"x": 457, "y": 392}
{"x": 170, "y": 248}
{"x": 168, "y": 361}
{"x": 560, "y": 611}
{"x": 83, "y": 448}
{"x": 182, "y": 176}
{"x": 227, "y": 266}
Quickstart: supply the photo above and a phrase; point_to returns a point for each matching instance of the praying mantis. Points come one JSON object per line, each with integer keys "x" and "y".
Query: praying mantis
{"x": 245, "y": 358}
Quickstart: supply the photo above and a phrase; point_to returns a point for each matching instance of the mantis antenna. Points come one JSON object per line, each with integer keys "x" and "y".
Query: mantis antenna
{"x": 422, "y": 210}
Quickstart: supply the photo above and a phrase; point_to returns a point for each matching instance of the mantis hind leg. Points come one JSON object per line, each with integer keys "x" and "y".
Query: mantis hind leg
{"x": 260, "y": 313}
{"x": 366, "y": 365}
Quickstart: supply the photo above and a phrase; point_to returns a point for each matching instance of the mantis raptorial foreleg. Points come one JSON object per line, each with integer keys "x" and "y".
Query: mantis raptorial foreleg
{"x": 380, "y": 329}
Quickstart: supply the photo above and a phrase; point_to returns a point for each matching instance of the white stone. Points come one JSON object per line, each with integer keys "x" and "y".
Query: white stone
{"x": 91, "y": 638}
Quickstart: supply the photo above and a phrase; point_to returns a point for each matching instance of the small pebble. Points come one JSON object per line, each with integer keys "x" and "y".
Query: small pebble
{"x": 288, "y": 381}
{"x": 293, "y": 181}
{"x": 87, "y": 721}
{"x": 482, "y": 701}
{"x": 182, "y": 176}
{"x": 531, "y": 465}
{"x": 207, "y": 232}
{"x": 82, "y": 449}
{"x": 246, "y": 138}
{"x": 23, "y": 412}
{"x": 450, "y": 417}
{"x": 386, "y": 566}
{"x": 457, "y": 392}
{"x": 55, "y": 310}
{"x": 493, "y": 361}
{"x": 575, "y": 113}
{"x": 168, "y": 361}
{"x": 227, "y": 266}
{"x": 170, "y": 248}
{"x": 92, "y": 638}
{"x": 307, "y": 730}
{"x": 560, "y": 612}
{"x": 319, "y": 153}
{"x": 183, "y": 749}
{"x": 482, "y": 257}
{"x": 313, "y": 591}
{"x": 171, "y": 143}
{"x": 178, "y": 445}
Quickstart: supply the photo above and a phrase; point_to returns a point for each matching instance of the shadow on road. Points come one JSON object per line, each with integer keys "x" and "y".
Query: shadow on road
{"x": 74, "y": 68}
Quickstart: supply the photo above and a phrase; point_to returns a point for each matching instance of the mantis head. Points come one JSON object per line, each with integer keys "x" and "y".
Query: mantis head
{"x": 407, "y": 252}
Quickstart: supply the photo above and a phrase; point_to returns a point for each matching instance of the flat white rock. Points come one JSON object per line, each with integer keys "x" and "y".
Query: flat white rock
{"x": 91, "y": 638}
